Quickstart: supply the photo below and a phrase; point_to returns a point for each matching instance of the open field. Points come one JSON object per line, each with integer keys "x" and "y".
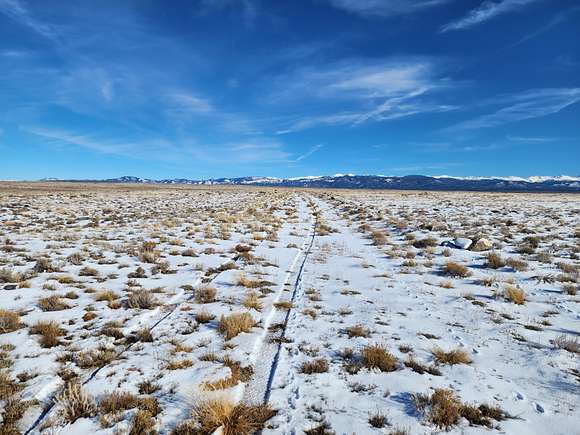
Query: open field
{"x": 186, "y": 310}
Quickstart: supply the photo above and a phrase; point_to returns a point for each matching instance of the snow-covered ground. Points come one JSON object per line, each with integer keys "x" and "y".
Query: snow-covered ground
{"x": 115, "y": 303}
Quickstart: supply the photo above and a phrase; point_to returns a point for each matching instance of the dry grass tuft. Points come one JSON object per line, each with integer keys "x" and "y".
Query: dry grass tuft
{"x": 455, "y": 356}
{"x": 358, "y": 331}
{"x": 569, "y": 344}
{"x": 49, "y": 331}
{"x": 205, "y": 295}
{"x": 240, "y": 419}
{"x": 319, "y": 365}
{"x": 141, "y": 299}
{"x": 494, "y": 261}
{"x": 515, "y": 295}
{"x": 52, "y": 303}
{"x": 9, "y": 321}
{"x": 456, "y": 270}
{"x": 251, "y": 300}
{"x": 377, "y": 356}
{"x": 234, "y": 324}
{"x": 74, "y": 403}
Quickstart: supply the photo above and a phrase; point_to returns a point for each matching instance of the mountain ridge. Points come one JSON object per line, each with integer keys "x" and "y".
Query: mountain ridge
{"x": 562, "y": 183}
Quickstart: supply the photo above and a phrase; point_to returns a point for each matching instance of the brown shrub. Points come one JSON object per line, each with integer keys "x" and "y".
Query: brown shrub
{"x": 234, "y": 324}
{"x": 456, "y": 270}
{"x": 49, "y": 331}
{"x": 515, "y": 295}
{"x": 9, "y": 321}
{"x": 251, "y": 300}
{"x": 52, "y": 303}
{"x": 494, "y": 261}
{"x": 205, "y": 295}
{"x": 319, "y": 365}
{"x": 455, "y": 356}
{"x": 378, "y": 357}
{"x": 74, "y": 403}
{"x": 141, "y": 299}
{"x": 358, "y": 331}
{"x": 240, "y": 419}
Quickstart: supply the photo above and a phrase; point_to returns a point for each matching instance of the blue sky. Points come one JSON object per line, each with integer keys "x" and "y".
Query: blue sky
{"x": 213, "y": 88}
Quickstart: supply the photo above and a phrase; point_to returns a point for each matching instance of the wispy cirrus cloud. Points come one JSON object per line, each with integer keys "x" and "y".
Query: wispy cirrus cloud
{"x": 385, "y": 8}
{"x": 19, "y": 12}
{"x": 378, "y": 91}
{"x": 530, "y": 104}
{"x": 486, "y": 11}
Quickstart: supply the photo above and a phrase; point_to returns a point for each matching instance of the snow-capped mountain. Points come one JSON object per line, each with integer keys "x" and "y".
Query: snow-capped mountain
{"x": 561, "y": 183}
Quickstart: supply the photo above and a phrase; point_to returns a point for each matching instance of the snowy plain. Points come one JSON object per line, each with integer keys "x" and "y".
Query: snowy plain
{"x": 119, "y": 307}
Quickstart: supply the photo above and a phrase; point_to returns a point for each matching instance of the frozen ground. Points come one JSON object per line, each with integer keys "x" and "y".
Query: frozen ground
{"x": 138, "y": 309}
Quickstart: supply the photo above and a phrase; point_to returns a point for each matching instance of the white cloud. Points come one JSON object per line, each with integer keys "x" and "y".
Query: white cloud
{"x": 531, "y": 104}
{"x": 486, "y": 11}
{"x": 16, "y": 10}
{"x": 377, "y": 91}
{"x": 385, "y": 8}
{"x": 188, "y": 103}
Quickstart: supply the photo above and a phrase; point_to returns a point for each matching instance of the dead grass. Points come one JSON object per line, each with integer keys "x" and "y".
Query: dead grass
{"x": 319, "y": 365}
{"x": 452, "y": 357}
{"x": 205, "y": 295}
{"x": 9, "y": 321}
{"x": 515, "y": 295}
{"x": 569, "y": 344}
{"x": 445, "y": 410}
{"x": 204, "y": 316}
{"x": 377, "y": 356}
{"x": 234, "y": 324}
{"x": 141, "y": 299}
{"x": 52, "y": 303}
{"x": 49, "y": 331}
{"x": 358, "y": 331}
{"x": 75, "y": 403}
{"x": 234, "y": 419}
{"x": 252, "y": 301}
{"x": 494, "y": 261}
{"x": 456, "y": 270}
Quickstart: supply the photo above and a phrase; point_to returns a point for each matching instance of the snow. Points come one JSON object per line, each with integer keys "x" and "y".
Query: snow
{"x": 337, "y": 274}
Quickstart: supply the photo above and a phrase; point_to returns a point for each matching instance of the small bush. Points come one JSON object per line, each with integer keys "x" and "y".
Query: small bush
{"x": 240, "y": 419}
{"x": 74, "y": 403}
{"x": 516, "y": 264}
{"x": 569, "y": 344}
{"x": 204, "y": 316}
{"x": 378, "y": 357}
{"x": 9, "y": 321}
{"x": 515, "y": 295}
{"x": 456, "y": 270}
{"x": 456, "y": 356}
{"x": 441, "y": 408}
{"x": 251, "y": 300}
{"x": 205, "y": 295}
{"x": 358, "y": 331}
{"x": 319, "y": 365}
{"x": 494, "y": 261}
{"x": 52, "y": 303}
{"x": 141, "y": 299}
{"x": 234, "y": 324}
{"x": 50, "y": 333}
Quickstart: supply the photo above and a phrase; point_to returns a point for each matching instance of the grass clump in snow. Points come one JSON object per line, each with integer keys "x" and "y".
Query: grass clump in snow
{"x": 445, "y": 410}
{"x": 377, "y": 356}
{"x": 49, "y": 331}
{"x": 453, "y": 357}
{"x": 234, "y": 324}
{"x": 515, "y": 295}
{"x": 456, "y": 270}
{"x": 52, "y": 303}
{"x": 234, "y": 419}
{"x": 205, "y": 295}
{"x": 319, "y": 365}
{"x": 9, "y": 321}
{"x": 75, "y": 403}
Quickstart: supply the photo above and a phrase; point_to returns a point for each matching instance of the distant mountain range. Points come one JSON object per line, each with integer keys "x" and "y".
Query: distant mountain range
{"x": 409, "y": 182}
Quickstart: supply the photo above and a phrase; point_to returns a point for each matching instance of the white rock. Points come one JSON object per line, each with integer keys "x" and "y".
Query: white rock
{"x": 462, "y": 242}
